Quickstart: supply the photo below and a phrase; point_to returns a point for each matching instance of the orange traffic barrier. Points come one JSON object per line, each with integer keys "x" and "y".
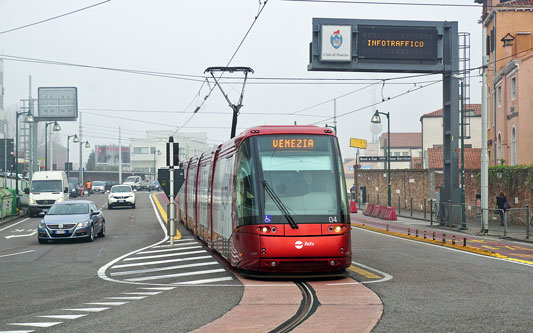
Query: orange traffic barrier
{"x": 368, "y": 209}
{"x": 353, "y": 206}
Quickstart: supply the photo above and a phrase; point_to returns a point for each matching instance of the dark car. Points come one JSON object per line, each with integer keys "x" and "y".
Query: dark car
{"x": 154, "y": 186}
{"x": 109, "y": 184}
{"x": 74, "y": 190}
{"x": 70, "y": 220}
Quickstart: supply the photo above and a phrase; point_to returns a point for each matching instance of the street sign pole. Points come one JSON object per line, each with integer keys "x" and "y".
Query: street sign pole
{"x": 172, "y": 206}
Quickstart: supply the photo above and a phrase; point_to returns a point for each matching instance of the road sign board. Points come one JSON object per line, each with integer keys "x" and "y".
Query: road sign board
{"x": 57, "y": 103}
{"x": 357, "y": 143}
{"x": 384, "y": 159}
{"x": 163, "y": 176}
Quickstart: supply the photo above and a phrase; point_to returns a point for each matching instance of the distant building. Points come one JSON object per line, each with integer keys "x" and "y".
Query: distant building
{"x": 431, "y": 124}
{"x": 402, "y": 144}
{"x": 509, "y": 26}
{"x": 3, "y": 134}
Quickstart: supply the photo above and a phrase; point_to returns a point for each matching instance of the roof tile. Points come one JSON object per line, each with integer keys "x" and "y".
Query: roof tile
{"x": 472, "y": 158}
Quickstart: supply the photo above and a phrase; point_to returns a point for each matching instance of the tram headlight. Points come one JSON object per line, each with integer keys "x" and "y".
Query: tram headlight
{"x": 338, "y": 229}
{"x": 265, "y": 230}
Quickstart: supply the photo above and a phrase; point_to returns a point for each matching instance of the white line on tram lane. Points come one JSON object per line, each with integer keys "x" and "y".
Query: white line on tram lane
{"x": 165, "y": 255}
{"x": 107, "y": 303}
{"x": 227, "y": 278}
{"x": 42, "y": 324}
{"x": 161, "y": 261}
{"x": 171, "y": 249}
{"x": 150, "y": 270}
{"x": 63, "y": 316}
{"x": 168, "y": 276}
{"x": 127, "y": 298}
{"x": 145, "y": 293}
{"x": 86, "y": 309}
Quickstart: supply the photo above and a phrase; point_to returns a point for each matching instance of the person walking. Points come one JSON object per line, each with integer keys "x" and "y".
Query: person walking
{"x": 501, "y": 200}
{"x": 88, "y": 187}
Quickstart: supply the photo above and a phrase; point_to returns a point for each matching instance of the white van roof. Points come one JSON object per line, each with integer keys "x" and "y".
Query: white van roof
{"x": 43, "y": 175}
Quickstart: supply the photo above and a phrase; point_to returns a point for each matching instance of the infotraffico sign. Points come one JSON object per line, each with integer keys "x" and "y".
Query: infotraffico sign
{"x": 378, "y": 45}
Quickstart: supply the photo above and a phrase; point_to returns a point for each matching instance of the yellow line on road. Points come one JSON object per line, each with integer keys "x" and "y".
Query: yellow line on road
{"x": 364, "y": 273}
{"x": 164, "y": 215}
{"x": 491, "y": 247}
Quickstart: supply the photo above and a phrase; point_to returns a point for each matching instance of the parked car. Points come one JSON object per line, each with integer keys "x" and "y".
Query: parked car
{"x": 71, "y": 219}
{"x": 121, "y": 195}
{"x": 154, "y": 186}
{"x": 98, "y": 186}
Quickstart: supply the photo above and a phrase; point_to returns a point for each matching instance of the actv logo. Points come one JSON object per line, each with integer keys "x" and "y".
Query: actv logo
{"x": 299, "y": 244}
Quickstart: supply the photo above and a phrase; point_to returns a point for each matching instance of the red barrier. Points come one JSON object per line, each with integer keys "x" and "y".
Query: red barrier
{"x": 353, "y": 207}
{"x": 391, "y": 214}
{"x": 375, "y": 211}
{"x": 368, "y": 209}
{"x": 383, "y": 212}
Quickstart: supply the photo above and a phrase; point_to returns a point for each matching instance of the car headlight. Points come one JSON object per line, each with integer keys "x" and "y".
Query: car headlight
{"x": 31, "y": 201}
{"x": 83, "y": 224}
{"x": 60, "y": 199}
{"x": 42, "y": 224}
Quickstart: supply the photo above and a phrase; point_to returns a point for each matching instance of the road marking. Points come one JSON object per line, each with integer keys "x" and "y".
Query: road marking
{"x": 364, "y": 273}
{"x": 16, "y": 331}
{"x": 161, "y": 261}
{"x": 228, "y": 278}
{"x": 175, "y": 248}
{"x": 87, "y": 309}
{"x": 140, "y": 271}
{"x": 164, "y": 215}
{"x": 491, "y": 247}
{"x": 145, "y": 293}
{"x": 107, "y": 303}
{"x": 165, "y": 255}
{"x": 63, "y": 316}
{"x": 126, "y": 298}
{"x": 510, "y": 248}
{"x": 43, "y": 324}
{"x": 476, "y": 241}
{"x": 168, "y": 276}
{"x": 25, "y": 235}
{"x": 14, "y": 254}
{"x": 14, "y": 224}
{"x": 158, "y": 288}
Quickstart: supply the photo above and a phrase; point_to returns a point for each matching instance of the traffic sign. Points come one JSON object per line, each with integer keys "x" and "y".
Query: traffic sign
{"x": 384, "y": 158}
{"x": 57, "y": 103}
{"x": 357, "y": 143}
{"x": 163, "y": 176}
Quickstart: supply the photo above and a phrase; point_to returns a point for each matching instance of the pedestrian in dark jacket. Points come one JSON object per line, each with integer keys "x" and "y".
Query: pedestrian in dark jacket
{"x": 500, "y": 202}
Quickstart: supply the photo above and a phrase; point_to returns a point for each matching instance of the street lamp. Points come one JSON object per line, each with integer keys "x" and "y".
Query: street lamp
{"x": 56, "y": 128}
{"x": 75, "y": 140}
{"x": 158, "y": 153}
{"x": 87, "y": 145}
{"x": 27, "y": 119}
{"x": 376, "y": 119}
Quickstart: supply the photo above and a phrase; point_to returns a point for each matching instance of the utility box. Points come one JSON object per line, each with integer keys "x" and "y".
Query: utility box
{"x": 7, "y": 202}
{"x": 14, "y": 201}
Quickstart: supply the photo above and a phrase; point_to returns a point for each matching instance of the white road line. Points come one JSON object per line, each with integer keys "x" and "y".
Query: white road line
{"x": 107, "y": 303}
{"x": 168, "y": 276}
{"x": 161, "y": 261}
{"x": 87, "y": 309}
{"x": 386, "y": 277}
{"x": 14, "y": 254}
{"x": 17, "y": 331}
{"x": 228, "y": 278}
{"x": 158, "y": 288}
{"x": 169, "y": 268}
{"x": 127, "y": 298}
{"x": 43, "y": 324}
{"x": 171, "y": 249}
{"x": 63, "y": 316}
{"x": 165, "y": 255}
{"x": 14, "y": 224}
{"x": 145, "y": 293}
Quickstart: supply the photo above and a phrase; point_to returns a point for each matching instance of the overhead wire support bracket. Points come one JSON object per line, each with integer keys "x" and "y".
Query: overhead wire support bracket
{"x": 235, "y": 107}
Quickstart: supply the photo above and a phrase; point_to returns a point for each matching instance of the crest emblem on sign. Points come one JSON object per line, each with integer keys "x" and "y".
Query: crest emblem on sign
{"x": 336, "y": 39}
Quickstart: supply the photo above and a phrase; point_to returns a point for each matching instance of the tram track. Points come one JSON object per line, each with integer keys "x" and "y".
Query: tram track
{"x": 308, "y": 306}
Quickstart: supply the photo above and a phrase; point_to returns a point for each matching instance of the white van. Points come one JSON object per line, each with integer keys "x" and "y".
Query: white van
{"x": 47, "y": 188}
{"x": 133, "y": 181}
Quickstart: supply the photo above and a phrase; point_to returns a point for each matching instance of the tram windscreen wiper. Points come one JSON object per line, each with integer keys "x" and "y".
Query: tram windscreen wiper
{"x": 280, "y": 204}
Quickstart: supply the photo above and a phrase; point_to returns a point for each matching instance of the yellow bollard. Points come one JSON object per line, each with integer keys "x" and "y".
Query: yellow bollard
{"x": 425, "y": 234}
{"x": 464, "y": 241}
{"x": 443, "y": 238}
{"x": 387, "y": 228}
{"x": 408, "y": 231}
{"x": 453, "y": 240}
{"x": 433, "y": 235}
{"x": 416, "y": 232}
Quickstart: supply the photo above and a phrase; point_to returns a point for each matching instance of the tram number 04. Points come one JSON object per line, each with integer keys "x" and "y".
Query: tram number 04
{"x": 332, "y": 219}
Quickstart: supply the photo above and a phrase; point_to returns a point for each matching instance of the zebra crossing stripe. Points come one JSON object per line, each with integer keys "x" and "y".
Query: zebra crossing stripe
{"x": 130, "y": 298}
{"x": 170, "y": 249}
{"x": 63, "y": 316}
{"x": 161, "y": 261}
{"x": 169, "y": 268}
{"x": 227, "y": 278}
{"x": 165, "y": 255}
{"x": 16, "y": 331}
{"x": 145, "y": 293}
{"x": 157, "y": 277}
{"x": 107, "y": 303}
{"x": 42, "y": 324}
{"x": 157, "y": 288}
{"x": 87, "y": 309}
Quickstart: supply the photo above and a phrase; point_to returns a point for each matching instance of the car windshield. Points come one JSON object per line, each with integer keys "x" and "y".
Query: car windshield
{"x": 46, "y": 186}
{"x": 131, "y": 179}
{"x": 69, "y": 209}
{"x": 120, "y": 189}
{"x": 99, "y": 184}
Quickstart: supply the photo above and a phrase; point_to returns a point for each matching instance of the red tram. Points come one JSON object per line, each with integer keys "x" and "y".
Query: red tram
{"x": 272, "y": 199}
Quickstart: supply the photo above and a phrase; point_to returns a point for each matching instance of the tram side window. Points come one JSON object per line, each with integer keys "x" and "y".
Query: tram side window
{"x": 247, "y": 207}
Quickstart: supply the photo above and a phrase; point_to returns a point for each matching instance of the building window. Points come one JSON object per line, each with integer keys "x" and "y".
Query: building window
{"x": 513, "y": 146}
{"x": 397, "y": 153}
{"x": 140, "y": 150}
{"x": 499, "y": 95}
{"x": 513, "y": 87}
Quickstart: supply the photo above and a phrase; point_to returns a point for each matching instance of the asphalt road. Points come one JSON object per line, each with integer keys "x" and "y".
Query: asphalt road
{"x": 435, "y": 289}
{"x": 60, "y": 278}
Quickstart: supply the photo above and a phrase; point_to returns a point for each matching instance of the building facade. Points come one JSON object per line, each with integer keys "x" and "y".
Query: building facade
{"x": 508, "y": 27}
{"x": 402, "y": 144}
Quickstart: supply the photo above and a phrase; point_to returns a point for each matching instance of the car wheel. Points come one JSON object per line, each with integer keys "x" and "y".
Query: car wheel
{"x": 43, "y": 241}
{"x": 102, "y": 232}
{"x": 133, "y": 206}
{"x": 109, "y": 206}
{"x": 90, "y": 238}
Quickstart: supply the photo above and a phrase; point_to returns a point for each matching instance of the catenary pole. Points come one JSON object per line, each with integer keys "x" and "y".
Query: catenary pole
{"x": 484, "y": 154}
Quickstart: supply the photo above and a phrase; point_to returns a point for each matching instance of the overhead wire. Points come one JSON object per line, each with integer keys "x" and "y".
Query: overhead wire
{"x": 433, "y": 4}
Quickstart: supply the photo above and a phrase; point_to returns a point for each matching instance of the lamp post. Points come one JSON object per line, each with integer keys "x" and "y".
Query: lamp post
{"x": 87, "y": 145}
{"x": 56, "y": 128}
{"x": 376, "y": 119}
{"x": 75, "y": 140}
{"x": 158, "y": 153}
{"x": 27, "y": 119}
